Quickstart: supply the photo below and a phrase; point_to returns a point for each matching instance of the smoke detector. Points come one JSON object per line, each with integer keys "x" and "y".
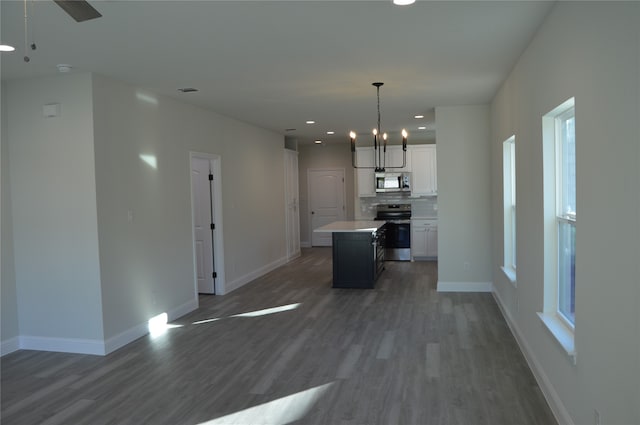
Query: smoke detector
{"x": 64, "y": 67}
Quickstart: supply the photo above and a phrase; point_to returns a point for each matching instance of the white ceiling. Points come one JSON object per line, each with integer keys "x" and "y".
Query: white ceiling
{"x": 276, "y": 64}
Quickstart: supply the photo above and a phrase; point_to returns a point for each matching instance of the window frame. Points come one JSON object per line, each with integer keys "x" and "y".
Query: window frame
{"x": 509, "y": 264}
{"x": 560, "y": 327}
{"x": 562, "y": 217}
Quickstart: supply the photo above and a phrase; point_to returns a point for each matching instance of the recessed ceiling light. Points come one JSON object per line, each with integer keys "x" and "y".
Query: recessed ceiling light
{"x": 418, "y": 116}
{"x": 318, "y": 142}
{"x": 422, "y": 127}
{"x": 6, "y": 48}
{"x": 187, "y": 90}
{"x": 403, "y": 2}
{"x": 331, "y": 132}
{"x": 311, "y": 122}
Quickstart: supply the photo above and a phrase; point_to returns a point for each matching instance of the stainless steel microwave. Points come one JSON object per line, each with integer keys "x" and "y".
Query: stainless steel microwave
{"x": 393, "y": 182}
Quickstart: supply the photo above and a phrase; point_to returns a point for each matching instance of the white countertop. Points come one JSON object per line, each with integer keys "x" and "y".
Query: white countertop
{"x": 351, "y": 226}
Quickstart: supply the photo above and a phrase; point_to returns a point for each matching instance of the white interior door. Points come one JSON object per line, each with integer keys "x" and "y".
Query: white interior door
{"x": 201, "y": 169}
{"x": 291, "y": 203}
{"x": 326, "y": 201}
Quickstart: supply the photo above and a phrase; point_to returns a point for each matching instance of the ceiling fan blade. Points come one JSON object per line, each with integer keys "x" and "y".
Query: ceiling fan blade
{"x": 79, "y": 10}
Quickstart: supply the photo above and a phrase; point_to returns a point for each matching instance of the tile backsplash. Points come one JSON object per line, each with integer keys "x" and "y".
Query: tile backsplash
{"x": 420, "y": 207}
{"x": 424, "y": 207}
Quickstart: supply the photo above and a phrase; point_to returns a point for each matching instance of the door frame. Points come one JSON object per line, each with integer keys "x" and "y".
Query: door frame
{"x": 296, "y": 206}
{"x": 218, "y": 239}
{"x": 344, "y": 195}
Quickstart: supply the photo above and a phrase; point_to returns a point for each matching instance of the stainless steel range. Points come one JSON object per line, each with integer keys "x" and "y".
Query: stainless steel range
{"x": 397, "y": 230}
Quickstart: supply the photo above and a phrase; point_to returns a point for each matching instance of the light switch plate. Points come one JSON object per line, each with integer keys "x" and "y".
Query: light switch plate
{"x": 51, "y": 110}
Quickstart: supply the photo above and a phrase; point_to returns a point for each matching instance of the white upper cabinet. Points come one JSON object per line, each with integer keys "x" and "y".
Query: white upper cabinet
{"x": 394, "y": 159}
{"x": 365, "y": 176}
{"x": 424, "y": 176}
{"x": 421, "y": 162}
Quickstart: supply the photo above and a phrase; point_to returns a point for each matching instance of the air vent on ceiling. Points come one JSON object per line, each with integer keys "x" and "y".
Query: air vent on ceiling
{"x": 187, "y": 89}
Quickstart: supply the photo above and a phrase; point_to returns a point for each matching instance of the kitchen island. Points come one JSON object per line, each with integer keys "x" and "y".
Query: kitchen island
{"x": 358, "y": 252}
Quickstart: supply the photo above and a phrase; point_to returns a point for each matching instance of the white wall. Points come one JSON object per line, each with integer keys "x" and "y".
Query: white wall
{"x": 87, "y": 278}
{"x": 464, "y": 198}
{"x": 590, "y": 51}
{"x": 8, "y": 297}
{"x": 331, "y": 155}
{"x": 147, "y": 264}
{"x": 55, "y": 232}
{"x": 253, "y": 192}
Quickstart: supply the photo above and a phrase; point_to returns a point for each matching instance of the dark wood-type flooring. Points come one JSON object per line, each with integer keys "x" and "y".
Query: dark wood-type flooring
{"x": 287, "y": 348}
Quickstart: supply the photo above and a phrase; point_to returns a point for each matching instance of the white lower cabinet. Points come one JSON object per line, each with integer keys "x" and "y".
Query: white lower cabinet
{"x": 424, "y": 239}
{"x": 432, "y": 241}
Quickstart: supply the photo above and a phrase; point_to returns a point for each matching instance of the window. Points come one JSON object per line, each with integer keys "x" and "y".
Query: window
{"x": 559, "y": 161}
{"x": 566, "y": 213}
{"x": 509, "y": 206}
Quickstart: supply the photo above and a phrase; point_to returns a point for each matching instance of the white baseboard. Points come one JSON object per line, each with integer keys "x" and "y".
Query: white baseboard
{"x": 232, "y": 286}
{"x": 9, "y": 346}
{"x": 465, "y": 286}
{"x": 63, "y": 345}
{"x": 183, "y": 309}
{"x": 138, "y": 331}
{"x": 124, "y": 338}
{"x": 298, "y": 254}
{"x": 89, "y": 346}
{"x": 555, "y": 403}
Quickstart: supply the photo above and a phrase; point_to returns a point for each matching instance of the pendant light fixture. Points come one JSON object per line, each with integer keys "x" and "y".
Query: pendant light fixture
{"x": 379, "y": 146}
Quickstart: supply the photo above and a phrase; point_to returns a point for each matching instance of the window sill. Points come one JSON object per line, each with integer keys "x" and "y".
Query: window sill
{"x": 561, "y": 332}
{"x": 510, "y": 274}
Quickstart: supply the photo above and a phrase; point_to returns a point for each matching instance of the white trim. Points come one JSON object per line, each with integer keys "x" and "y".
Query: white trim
{"x": 63, "y": 345}
{"x": 296, "y": 201}
{"x": 181, "y": 310}
{"x": 551, "y": 138}
{"x": 126, "y": 337}
{"x": 218, "y": 243}
{"x": 562, "y": 333}
{"x": 241, "y": 281}
{"x": 509, "y": 218}
{"x": 9, "y": 346}
{"x": 298, "y": 254}
{"x": 548, "y": 391}
{"x": 465, "y": 286}
{"x": 305, "y": 244}
{"x": 89, "y": 346}
{"x": 510, "y": 274}
{"x": 142, "y": 329}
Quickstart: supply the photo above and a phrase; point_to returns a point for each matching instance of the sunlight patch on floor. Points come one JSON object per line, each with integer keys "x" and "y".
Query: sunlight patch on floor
{"x": 200, "y": 322}
{"x": 277, "y": 412}
{"x": 158, "y": 325}
{"x": 256, "y": 313}
{"x": 267, "y": 311}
